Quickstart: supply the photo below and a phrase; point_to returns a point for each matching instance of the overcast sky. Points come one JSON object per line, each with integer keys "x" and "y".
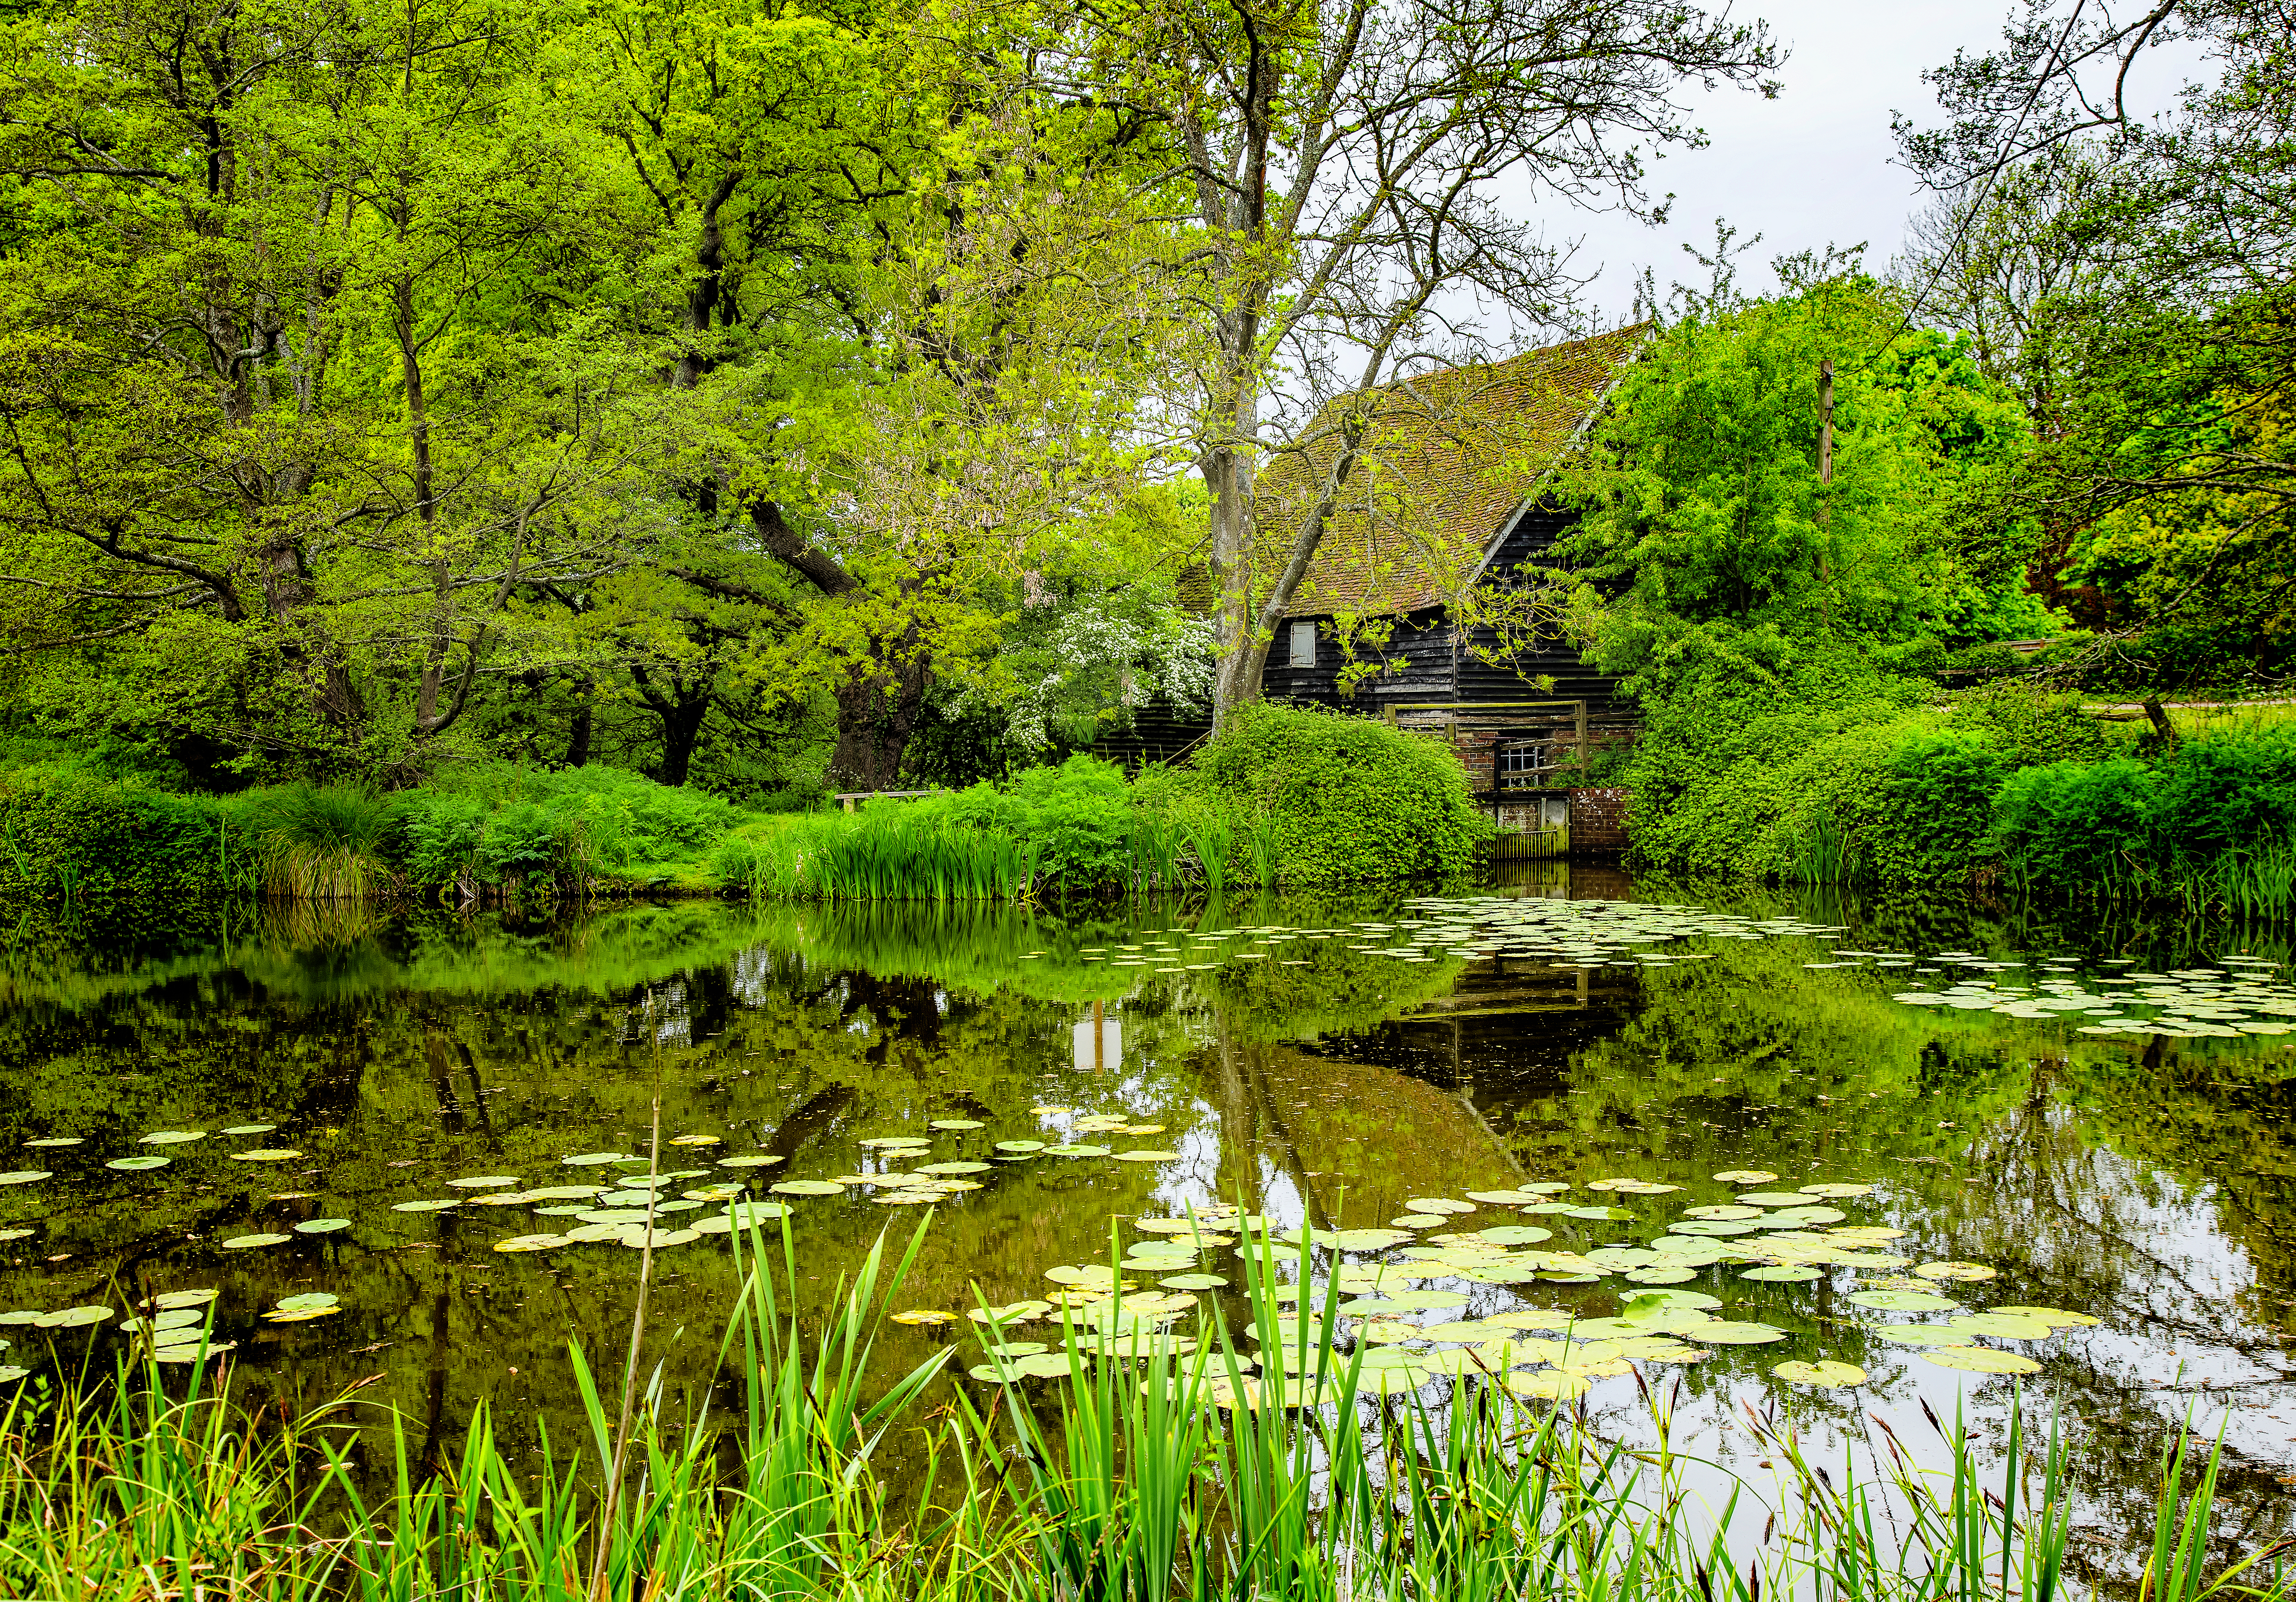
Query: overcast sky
{"x": 1813, "y": 165}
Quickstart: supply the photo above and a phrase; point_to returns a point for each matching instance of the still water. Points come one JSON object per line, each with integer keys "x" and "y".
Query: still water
{"x": 2093, "y": 1142}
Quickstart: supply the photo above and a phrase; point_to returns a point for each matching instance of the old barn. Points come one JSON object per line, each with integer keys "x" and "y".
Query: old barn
{"x": 1418, "y": 606}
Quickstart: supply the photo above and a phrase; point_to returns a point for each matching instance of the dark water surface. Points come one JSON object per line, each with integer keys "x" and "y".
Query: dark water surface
{"x": 1316, "y": 1068}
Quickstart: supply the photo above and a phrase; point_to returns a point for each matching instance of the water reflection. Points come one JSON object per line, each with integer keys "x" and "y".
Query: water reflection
{"x": 2143, "y": 1180}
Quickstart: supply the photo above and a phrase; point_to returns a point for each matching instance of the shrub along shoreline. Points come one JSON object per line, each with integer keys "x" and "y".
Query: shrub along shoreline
{"x": 1285, "y": 795}
{"x": 1833, "y": 775}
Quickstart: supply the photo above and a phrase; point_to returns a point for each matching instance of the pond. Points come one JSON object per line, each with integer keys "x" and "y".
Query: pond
{"x": 410, "y": 1151}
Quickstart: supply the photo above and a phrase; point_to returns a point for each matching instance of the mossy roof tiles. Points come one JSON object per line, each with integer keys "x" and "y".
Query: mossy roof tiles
{"x": 1452, "y": 455}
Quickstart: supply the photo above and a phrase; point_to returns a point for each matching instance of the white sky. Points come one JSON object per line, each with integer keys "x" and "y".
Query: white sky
{"x": 1813, "y": 165}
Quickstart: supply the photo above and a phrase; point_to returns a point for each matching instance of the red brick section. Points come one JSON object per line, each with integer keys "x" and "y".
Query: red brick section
{"x": 1598, "y": 821}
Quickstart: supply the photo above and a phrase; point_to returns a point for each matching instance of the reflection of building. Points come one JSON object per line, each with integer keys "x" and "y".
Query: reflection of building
{"x": 1431, "y": 601}
{"x": 1099, "y": 1042}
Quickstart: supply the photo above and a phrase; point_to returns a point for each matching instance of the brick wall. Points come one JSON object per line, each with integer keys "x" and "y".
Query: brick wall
{"x": 1598, "y": 822}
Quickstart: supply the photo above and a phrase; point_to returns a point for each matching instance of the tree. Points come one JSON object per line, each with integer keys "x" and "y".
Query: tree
{"x": 1338, "y": 168}
{"x": 1709, "y": 532}
{"x": 2165, "y": 461}
{"x": 306, "y": 374}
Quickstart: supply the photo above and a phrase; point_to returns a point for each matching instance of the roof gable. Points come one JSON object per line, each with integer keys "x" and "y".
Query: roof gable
{"x": 1451, "y": 458}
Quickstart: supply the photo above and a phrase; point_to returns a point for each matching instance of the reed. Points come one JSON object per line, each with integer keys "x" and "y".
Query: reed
{"x": 322, "y": 843}
{"x": 1120, "y": 1485}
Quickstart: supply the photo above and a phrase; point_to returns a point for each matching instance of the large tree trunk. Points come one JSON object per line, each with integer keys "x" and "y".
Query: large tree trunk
{"x": 683, "y": 708}
{"x": 876, "y": 712}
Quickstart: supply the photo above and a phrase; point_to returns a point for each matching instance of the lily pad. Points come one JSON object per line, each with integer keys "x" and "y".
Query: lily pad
{"x": 753, "y": 1160}
{"x": 74, "y": 1317}
{"x": 426, "y": 1206}
{"x": 1772, "y": 1198}
{"x": 239, "y": 1243}
{"x": 1193, "y": 1282}
{"x": 1076, "y": 1151}
{"x": 1728, "y": 1333}
{"x": 1418, "y": 1220}
{"x": 1839, "y": 1193}
{"x": 638, "y": 1238}
{"x": 1831, "y": 1374}
{"x": 275, "y": 1154}
{"x": 595, "y": 1159}
{"x": 695, "y": 1140}
{"x": 1506, "y": 1198}
{"x": 530, "y": 1243}
{"x": 1711, "y": 1226}
{"x": 1660, "y": 1276}
{"x": 808, "y": 1187}
{"x": 26, "y": 1176}
{"x": 1923, "y": 1335}
{"x": 1600, "y": 1215}
{"x": 2047, "y": 1315}
{"x": 322, "y": 1225}
{"x": 173, "y": 1301}
{"x": 1021, "y": 1148}
{"x": 1514, "y": 1235}
{"x": 1148, "y": 1155}
{"x": 1967, "y": 1272}
{"x": 250, "y": 1128}
{"x": 190, "y": 1353}
{"x": 1362, "y": 1240}
{"x": 1436, "y": 1204}
{"x": 1781, "y": 1274}
{"x": 137, "y": 1165}
{"x": 173, "y": 1137}
{"x": 1746, "y": 1176}
{"x": 2006, "y": 1327}
{"x": 307, "y": 1300}
{"x": 1982, "y": 1359}
{"x": 1901, "y": 1302}
{"x": 483, "y": 1182}
{"x": 955, "y": 1168}
{"x": 955, "y": 1123}
{"x": 54, "y": 1140}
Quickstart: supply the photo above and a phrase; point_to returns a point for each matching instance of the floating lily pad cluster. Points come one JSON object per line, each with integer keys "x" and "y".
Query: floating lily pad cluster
{"x": 1391, "y": 1283}
{"x": 2239, "y": 997}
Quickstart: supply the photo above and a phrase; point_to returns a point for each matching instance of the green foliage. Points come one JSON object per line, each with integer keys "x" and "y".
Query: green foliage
{"x": 66, "y": 832}
{"x": 1704, "y": 517}
{"x": 494, "y": 823}
{"x": 1343, "y": 797}
{"x": 321, "y": 842}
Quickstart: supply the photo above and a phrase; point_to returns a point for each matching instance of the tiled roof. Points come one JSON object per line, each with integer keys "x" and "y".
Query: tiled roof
{"x": 1452, "y": 455}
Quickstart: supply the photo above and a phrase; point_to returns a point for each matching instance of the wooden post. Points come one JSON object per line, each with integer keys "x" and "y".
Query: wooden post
{"x": 1578, "y": 709}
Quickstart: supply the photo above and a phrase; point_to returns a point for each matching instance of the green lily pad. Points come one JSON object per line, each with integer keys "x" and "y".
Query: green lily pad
{"x": 15, "y": 1234}
{"x": 1507, "y": 1198}
{"x": 309, "y": 1300}
{"x": 192, "y": 1353}
{"x": 74, "y": 1317}
{"x": 954, "y": 1123}
{"x": 1436, "y": 1204}
{"x": 2049, "y": 1315}
{"x": 1923, "y": 1335}
{"x": 26, "y": 1176}
{"x": 1833, "y": 1376}
{"x": 426, "y": 1206}
{"x": 1418, "y": 1220}
{"x": 1193, "y": 1282}
{"x": 1361, "y": 1240}
{"x": 1076, "y": 1151}
{"x": 808, "y": 1187}
{"x": 1746, "y": 1176}
{"x": 1782, "y": 1274}
{"x": 1802, "y": 1217}
{"x": 956, "y": 1168}
{"x": 1837, "y": 1191}
{"x": 55, "y": 1140}
{"x": 1514, "y": 1235}
{"x": 1659, "y": 1275}
{"x": 1727, "y": 1332}
{"x": 175, "y": 1300}
{"x": 484, "y": 1182}
{"x": 322, "y": 1225}
{"x": 534, "y": 1242}
{"x": 9, "y": 1374}
{"x": 1600, "y": 1215}
{"x": 137, "y": 1165}
{"x": 1021, "y": 1147}
{"x": 250, "y": 1128}
{"x": 240, "y": 1243}
{"x": 754, "y": 1160}
{"x": 173, "y": 1137}
{"x": 1901, "y": 1302}
{"x": 594, "y": 1159}
{"x": 2006, "y": 1326}
{"x": 1730, "y": 1214}
{"x": 270, "y": 1154}
{"x": 1711, "y": 1226}
{"x": 1982, "y": 1359}
{"x": 1148, "y": 1154}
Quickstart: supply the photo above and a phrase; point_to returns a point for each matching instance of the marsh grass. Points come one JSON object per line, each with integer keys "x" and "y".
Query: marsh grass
{"x": 322, "y": 843}
{"x": 1115, "y": 1484}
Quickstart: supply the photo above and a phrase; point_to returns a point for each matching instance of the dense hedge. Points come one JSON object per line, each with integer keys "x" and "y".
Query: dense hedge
{"x": 1346, "y": 797}
{"x": 1844, "y": 775}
